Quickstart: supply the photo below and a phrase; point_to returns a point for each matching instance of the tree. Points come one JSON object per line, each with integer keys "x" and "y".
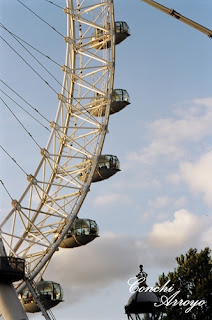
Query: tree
{"x": 193, "y": 279}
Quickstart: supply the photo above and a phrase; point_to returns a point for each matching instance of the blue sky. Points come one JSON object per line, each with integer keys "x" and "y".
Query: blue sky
{"x": 159, "y": 205}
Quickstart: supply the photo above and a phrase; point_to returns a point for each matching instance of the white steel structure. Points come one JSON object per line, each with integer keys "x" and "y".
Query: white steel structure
{"x": 55, "y": 193}
{"x": 41, "y": 217}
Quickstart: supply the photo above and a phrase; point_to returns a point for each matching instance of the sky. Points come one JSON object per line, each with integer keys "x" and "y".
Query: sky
{"x": 160, "y": 204}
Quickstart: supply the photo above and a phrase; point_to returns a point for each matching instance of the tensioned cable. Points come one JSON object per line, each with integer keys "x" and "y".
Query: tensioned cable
{"x": 20, "y": 123}
{"x": 43, "y": 54}
{"x": 40, "y": 18}
{"x": 36, "y": 59}
{"x": 39, "y": 74}
{"x": 25, "y": 101}
{"x": 6, "y": 189}
{"x": 13, "y": 160}
{"x": 54, "y": 4}
{"x": 24, "y": 110}
{"x": 39, "y": 63}
{"x": 29, "y": 64}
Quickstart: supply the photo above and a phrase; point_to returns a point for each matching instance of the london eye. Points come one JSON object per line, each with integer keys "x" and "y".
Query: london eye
{"x": 72, "y": 159}
{"x": 45, "y": 216}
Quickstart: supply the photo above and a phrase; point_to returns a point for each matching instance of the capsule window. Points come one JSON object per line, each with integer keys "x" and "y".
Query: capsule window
{"x": 94, "y": 228}
{"x": 85, "y": 227}
{"x": 121, "y": 27}
{"x": 125, "y": 96}
{"x": 81, "y": 227}
{"x": 110, "y": 162}
{"x": 50, "y": 290}
{"x": 120, "y": 95}
{"x": 77, "y": 231}
{"x": 27, "y": 296}
{"x": 58, "y": 292}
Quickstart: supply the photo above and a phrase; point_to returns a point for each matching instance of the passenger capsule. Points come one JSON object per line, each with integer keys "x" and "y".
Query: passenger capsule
{"x": 122, "y": 31}
{"x": 82, "y": 232}
{"x": 107, "y": 166}
{"x": 120, "y": 99}
{"x": 50, "y": 294}
{"x": 102, "y": 39}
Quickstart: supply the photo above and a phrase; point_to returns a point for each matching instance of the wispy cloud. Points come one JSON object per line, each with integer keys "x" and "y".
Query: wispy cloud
{"x": 115, "y": 257}
{"x": 207, "y": 102}
{"x": 93, "y": 267}
{"x": 111, "y": 198}
{"x": 171, "y": 234}
{"x": 159, "y": 202}
{"x": 168, "y": 136}
{"x": 198, "y": 175}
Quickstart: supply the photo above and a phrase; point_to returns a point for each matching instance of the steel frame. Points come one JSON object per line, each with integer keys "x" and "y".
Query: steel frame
{"x": 54, "y": 194}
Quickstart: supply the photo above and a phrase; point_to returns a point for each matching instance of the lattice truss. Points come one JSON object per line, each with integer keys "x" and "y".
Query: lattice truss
{"x": 56, "y": 190}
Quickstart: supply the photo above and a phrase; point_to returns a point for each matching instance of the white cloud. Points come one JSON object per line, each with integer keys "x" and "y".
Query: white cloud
{"x": 198, "y": 175}
{"x": 175, "y": 233}
{"x": 159, "y": 202}
{"x": 169, "y": 135}
{"x": 111, "y": 198}
{"x": 203, "y": 101}
{"x": 94, "y": 267}
{"x": 174, "y": 178}
{"x": 100, "y": 262}
{"x": 165, "y": 201}
{"x": 146, "y": 215}
{"x": 158, "y": 147}
{"x": 207, "y": 235}
{"x": 115, "y": 257}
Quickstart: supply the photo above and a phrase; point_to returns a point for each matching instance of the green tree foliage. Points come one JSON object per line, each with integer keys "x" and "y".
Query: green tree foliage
{"x": 193, "y": 279}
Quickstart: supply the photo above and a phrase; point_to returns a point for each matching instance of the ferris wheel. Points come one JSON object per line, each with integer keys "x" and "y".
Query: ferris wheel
{"x": 45, "y": 215}
{"x": 42, "y": 217}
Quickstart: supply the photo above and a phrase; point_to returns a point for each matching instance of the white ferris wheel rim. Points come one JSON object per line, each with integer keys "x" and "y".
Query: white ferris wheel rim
{"x": 88, "y": 72}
